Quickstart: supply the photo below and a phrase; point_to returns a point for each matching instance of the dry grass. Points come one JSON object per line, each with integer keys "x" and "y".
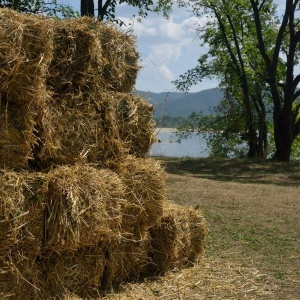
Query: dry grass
{"x": 253, "y": 250}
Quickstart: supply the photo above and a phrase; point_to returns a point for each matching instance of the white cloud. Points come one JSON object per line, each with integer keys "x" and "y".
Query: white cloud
{"x": 166, "y": 72}
{"x": 168, "y": 48}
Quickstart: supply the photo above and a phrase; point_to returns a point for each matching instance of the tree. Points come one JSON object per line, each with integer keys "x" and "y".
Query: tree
{"x": 254, "y": 55}
{"x": 107, "y": 8}
{"x": 234, "y": 59}
{"x": 87, "y": 8}
{"x": 285, "y": 94}
{"x": 51, "y": 7}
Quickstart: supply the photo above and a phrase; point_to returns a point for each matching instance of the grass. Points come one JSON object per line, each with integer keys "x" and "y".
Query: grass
{"x": 252, "y": 210}
{"x": 253, "y": 249}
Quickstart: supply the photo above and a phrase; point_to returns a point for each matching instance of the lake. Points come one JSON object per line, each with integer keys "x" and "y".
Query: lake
{"x": 195, "y": 146}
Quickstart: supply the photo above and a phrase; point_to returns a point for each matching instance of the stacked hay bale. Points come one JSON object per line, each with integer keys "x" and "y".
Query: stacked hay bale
{"x": 82, "y": 206}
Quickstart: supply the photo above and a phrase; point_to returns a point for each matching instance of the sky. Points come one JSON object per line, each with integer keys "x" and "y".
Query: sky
{"x": 168, "y": 48}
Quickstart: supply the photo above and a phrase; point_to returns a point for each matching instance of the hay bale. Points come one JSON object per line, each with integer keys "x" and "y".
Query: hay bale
{"x": 78, "y": 61}
{"x": 90, "y": 54}
{"x": 21, "y": 212}
{"x": 83, "y": 207}
{"x": 135, "y": 123}
{"x": 125, "y": 261}
{"x": 25, "y": 43}
{"x": 21, "y": 235}
{"x": 26, "y": 50}
{"x": 60, "y": 70}
{"x": 94, "y": 129}
{"x": 119, "y": 49}
{"x": 80, "y": 132}
{"x": 21, "y": 277}
{"x": 74, "y": 272}
{"x": 177, "y": 240}
{"x": 145, "y": 192}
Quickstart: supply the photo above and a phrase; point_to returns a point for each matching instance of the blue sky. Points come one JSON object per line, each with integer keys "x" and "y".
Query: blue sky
{"x": 168, "y": 48}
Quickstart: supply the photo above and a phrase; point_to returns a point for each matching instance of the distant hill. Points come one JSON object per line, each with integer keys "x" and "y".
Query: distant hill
{"x": 180, "y": 104}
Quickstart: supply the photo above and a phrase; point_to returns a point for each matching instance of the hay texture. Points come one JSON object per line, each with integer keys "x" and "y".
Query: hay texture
{"x": 21, "y": 235}
{"x": 83, "y": 207}
{"x": 96, "y": 129}
{"x": 21, "y": 212}
{"x": 177, "y": 240}
{"x": 79, "y": 272}
{"x": 25, "y": 51}
{"x": 21, "y": 277}
{"x": 56, "y": 80}
{"x": 145, "y": 190}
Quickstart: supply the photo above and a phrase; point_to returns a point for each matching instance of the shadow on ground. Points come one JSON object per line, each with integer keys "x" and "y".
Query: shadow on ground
{"x": 237, "y": 170}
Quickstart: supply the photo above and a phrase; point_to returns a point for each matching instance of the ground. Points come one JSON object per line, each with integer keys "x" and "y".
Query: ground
{"x": 253, "y": 249}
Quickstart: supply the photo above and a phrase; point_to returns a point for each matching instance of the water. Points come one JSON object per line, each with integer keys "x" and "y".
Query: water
{"x": 195, "y": 146}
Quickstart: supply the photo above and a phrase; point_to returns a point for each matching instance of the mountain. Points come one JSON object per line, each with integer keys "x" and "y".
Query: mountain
{"x": 181, "y": 104}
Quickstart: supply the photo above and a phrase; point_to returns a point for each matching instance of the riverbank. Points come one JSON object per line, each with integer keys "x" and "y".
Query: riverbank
{"x": 171, "y": 130}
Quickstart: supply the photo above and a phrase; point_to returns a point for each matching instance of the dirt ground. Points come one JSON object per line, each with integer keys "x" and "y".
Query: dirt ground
{"x": 253, "y": 250}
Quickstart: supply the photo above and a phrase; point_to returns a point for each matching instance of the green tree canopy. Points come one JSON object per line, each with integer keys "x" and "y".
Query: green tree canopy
{"x": 253, "y": 53}
{"x": 50, "y": 7}
{"x": 107, "y": 8}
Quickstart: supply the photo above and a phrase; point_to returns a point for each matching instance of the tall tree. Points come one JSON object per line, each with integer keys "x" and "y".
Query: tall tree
{"x": 285, "y": 94}
{"x": 87, "y": 8}
{"x": 260, "y": 52}
{"x": 232, "y": 57}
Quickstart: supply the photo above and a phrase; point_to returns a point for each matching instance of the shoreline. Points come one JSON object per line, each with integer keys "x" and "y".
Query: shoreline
{"x": 163, "y": 129}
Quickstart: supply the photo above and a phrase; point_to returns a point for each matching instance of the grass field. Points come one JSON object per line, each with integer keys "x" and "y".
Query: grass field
{"x": 253, "y": 214}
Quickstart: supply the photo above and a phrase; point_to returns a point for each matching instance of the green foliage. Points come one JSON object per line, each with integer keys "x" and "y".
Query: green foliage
{"x": 234, "y": 58}
{"x": 107, "y": 9}
{"x": 50, "y": 8}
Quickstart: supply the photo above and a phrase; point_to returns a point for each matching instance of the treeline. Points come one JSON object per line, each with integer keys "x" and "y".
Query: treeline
{"x": 170, "y": 121}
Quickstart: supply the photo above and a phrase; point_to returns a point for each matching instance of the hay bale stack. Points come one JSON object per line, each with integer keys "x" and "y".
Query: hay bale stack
{"x": 98, "y": 128}
{"x": 177, "y": 240}
{"x": 56, "y": 80}
{"x": 92, "y": 212}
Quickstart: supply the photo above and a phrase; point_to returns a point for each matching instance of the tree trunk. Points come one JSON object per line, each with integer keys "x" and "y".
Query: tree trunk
{"x": 87, "y": 8}
{"x": 262, "y": 145}
{"x": 283, "y": 134}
